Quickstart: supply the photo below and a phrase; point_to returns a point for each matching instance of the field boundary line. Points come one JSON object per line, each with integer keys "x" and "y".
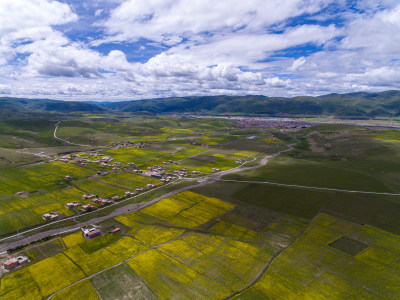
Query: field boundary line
{"x": 311, "y": 187}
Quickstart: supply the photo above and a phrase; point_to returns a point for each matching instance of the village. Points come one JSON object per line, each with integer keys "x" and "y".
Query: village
{"x": 80, "y": 206}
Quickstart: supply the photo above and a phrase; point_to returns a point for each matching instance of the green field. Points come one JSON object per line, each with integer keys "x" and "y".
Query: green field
{"x": 96, "y": 187}
{"x": 121, "y": 283}
{"x": 48, "y": 176}
{"x": 19, "y": 212}
{"x": 128, "y": 180}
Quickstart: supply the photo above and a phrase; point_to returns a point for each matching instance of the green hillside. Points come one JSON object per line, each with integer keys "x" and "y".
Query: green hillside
{"x": 11, "y": 105}
{"x": 352, "y": 105}
{"x": 365, "y": 105}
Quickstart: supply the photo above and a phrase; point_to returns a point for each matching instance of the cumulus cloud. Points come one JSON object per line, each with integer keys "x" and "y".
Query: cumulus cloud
{"x": 277, "y": 48}
{"x": 377, "y": 33}
{"x": 24, "y": 21}
{"x": 297, "y": 63}
{"x": 169, "y": 21}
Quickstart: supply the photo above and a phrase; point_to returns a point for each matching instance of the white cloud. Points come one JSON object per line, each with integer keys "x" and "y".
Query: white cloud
{"x": 25, "y": 21}
{"x": 205, "y": 47}
{"x": 297, "y": 63}
{"x": 169, "y": 21}
{"x": 277, "y": 82}
{"x": 377, "y": 33}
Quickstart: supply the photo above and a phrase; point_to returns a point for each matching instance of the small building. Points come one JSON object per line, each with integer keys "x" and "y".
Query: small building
{"x": 87, "y": 207}
{"x": 92, "y": 233}
{"x": 50, "y": 216}
{"x": 72, "y": 204}
{"x": 15, "y": 262}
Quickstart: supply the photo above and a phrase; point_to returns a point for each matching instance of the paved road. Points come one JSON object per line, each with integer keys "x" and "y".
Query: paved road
{"x": 65, "y": 141}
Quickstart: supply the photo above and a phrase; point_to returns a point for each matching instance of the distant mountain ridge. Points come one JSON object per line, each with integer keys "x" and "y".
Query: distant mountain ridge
{"x": 9, "y": 104}
{"x": 361, "y": 104}
{"x": 351, "y": 105}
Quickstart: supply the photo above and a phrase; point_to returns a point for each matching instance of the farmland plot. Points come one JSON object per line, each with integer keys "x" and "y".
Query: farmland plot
{"x": 316, "y": 267}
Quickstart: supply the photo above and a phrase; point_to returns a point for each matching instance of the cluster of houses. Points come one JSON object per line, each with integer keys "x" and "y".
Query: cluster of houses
{"x": 94, "y": 157}
{"x": 205, "y": 145}
{"x": 102, "y": 201}
{"x": 170, "y": 162}
{"x": 86, "y": 208}
{"x": 215, "y": 169}
{"x": 117, "y": 145}
{"x": 270, "y": 122}
{"x": 72, "y": 204}
{"x": 156, "y": 171}
{"x": 15, "y": 262}
{"x": 74, "y": 159}
{"x": 181, "y": 172}
{"x": 88, "y": 196}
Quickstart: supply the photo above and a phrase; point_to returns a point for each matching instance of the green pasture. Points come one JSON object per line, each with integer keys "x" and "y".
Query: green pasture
{"x": 331, "y": 174}
{"x": 98, "y": 188}
{"x": 48, "y": 176}
{"x": 121, "y": 283}
{"x": 128, "y": 180}
{"x": 18, "y": 212}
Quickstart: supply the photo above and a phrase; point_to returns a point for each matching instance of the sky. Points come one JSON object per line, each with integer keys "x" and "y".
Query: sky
{"x": 113, "y": 50}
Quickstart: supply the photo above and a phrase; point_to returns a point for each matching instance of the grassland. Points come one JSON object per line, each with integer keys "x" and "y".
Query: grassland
{"x": 343, "y": 157}
{"x": 47, "y": 176}
{"x": 121, "y": 283}
{"x": 82, "y": 290}
{"x": 20, "y": 212}
{"x": 45, "y": 250}
{"x": 128, "y": 180}
{"x": 98, "y": 188}
{"x": 339, "y": 274}
{"x": 297, "y": 202}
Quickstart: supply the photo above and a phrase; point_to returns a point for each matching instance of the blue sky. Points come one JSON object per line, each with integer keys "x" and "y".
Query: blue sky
{"x": 110, "y": 50}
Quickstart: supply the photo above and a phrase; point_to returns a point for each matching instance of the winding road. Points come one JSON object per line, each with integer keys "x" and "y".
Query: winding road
{"x": 65, "y": 141}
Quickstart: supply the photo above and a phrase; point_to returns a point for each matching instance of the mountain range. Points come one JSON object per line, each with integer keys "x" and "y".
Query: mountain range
{"x": 351, "y": 105}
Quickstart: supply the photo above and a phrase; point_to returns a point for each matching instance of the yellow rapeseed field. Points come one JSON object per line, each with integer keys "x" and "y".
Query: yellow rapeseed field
{"x": 92, "y": 263}
{"x": 172, "y": 279}
{"x": 154, "y": 235}
{"x": 55, "y": 273}
{"x": 73, "y": 239}
{"x": 126, "y": 247}
{"x": 19, "y": 285}
{"x": 81, "y": 291}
